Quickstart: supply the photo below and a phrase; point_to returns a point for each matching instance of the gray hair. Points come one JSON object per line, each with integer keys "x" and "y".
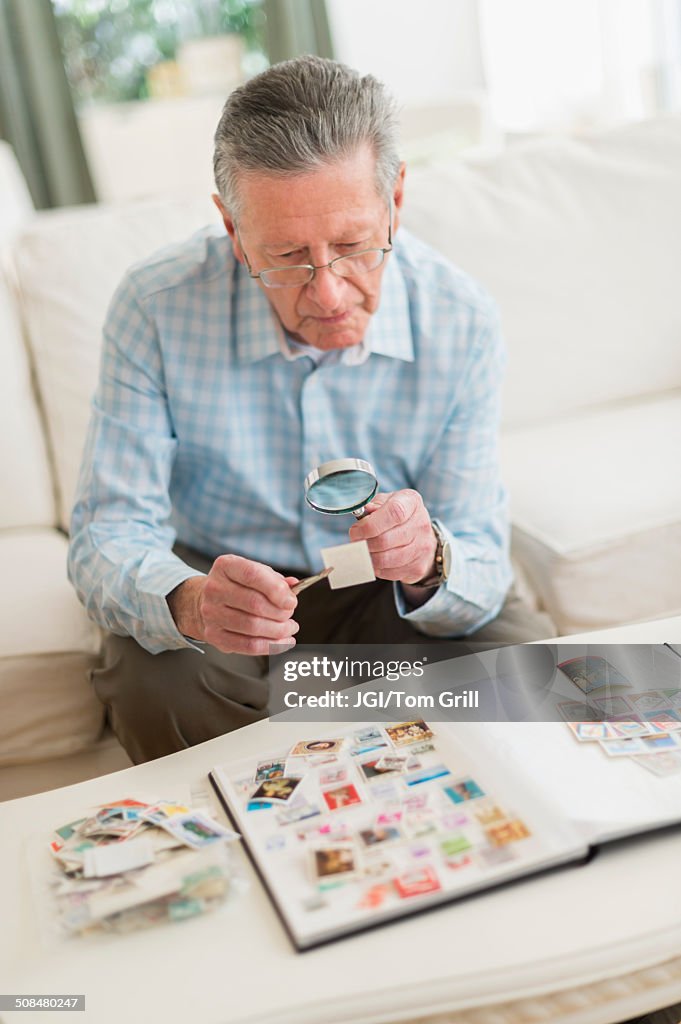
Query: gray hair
{"x": 301, "y": 115}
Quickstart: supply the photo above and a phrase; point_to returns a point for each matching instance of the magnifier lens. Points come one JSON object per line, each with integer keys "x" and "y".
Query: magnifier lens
{"x": 342, "y": 492}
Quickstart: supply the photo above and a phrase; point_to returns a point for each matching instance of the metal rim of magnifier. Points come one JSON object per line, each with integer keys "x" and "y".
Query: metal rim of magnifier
{"x": 340, "y": 466}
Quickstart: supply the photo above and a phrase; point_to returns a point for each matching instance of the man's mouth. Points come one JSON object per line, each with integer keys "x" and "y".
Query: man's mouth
{"x": 337, "y": 319}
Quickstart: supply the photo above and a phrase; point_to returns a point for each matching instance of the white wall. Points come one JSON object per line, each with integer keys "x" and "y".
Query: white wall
{"x": 423, "y": 52}
{"x": 574, "y": 64}
{"x": 540, "y": 64}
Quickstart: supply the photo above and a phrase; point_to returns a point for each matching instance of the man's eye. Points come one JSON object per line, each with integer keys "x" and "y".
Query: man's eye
{"x": 289, "y": 255}
{"x": 350, "y": 245}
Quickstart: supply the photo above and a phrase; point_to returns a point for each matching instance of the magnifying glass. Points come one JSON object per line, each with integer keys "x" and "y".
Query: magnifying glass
{"x": 341, "y": 486}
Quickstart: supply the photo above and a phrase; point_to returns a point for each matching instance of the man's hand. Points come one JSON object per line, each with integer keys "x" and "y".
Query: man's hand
{"x": 240, "y": 607}
{"x": 401, "y": 540}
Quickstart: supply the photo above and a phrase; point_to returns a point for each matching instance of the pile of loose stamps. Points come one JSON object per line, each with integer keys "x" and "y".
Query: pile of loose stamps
{"x": 644, "y": 726}
{"x": 130, "y": 864}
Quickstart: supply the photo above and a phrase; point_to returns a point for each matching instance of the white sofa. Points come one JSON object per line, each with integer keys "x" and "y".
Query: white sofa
{"x": 580, "y": 242}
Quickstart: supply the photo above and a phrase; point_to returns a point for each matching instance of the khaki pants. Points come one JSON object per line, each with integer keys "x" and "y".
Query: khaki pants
{"x": 160, "y": 703}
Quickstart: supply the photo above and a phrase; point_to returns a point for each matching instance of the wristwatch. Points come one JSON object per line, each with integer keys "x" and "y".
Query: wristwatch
{"x": 443, "y": 561}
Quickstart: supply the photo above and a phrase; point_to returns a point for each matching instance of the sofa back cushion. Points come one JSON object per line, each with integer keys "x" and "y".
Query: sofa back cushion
{"x": 25, "y": 477}
{"x": 68, "y": 264}
{"x": 579, "y": 241}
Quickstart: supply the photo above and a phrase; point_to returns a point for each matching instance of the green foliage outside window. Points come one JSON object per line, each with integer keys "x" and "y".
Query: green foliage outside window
{"x": 110, "y": 45}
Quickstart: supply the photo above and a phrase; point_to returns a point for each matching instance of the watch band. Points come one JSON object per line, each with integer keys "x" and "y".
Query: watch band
{"x": 439, "y": 576}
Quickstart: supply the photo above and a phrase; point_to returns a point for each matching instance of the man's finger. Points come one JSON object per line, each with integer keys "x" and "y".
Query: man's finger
{"x": 236, "y": 621}
{"x": 376, "y": 502}
{"x": 396, "y": 511}
{"x": 395, "y": 559}
{"x": 237, "y": 643}
{"x": 256, "y": 576}
{"x": 409, "y": 573}
{"x": 227, "y": 594}
{"x": 396, "y": 538}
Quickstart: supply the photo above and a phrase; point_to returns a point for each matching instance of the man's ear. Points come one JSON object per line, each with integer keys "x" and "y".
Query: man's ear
{"x": 398, "y": 195}
{"x": 230, "y": 226}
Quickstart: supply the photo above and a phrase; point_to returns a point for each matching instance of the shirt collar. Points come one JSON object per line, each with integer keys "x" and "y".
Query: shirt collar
{"x": 389, "y": 331}
{"x": 259, "y": 333}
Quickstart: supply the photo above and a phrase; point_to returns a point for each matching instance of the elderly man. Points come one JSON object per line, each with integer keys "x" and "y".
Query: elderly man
{"x": 309, "y": 329}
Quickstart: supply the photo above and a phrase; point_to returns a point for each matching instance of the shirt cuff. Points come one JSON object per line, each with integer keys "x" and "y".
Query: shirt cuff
{"x": 448, "y": 613}
{"x": 160, "y": 631}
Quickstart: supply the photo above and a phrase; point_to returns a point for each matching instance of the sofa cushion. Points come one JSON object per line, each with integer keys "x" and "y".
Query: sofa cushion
{"x": 579, "y": 241}
{"x": 596, "y": 507}
{"x": 68, "y": 265}
{"x": 47, "y": 646}
{"x": 25, "y": 477}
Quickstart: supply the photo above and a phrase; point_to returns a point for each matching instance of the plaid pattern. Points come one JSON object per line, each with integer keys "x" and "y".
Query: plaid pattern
{"x": 207, "y": 418}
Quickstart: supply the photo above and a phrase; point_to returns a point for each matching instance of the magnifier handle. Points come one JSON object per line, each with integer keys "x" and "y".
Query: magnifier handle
{"x": 360, "y": 513}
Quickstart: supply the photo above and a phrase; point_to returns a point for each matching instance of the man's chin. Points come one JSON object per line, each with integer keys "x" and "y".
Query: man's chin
{"x": 326, "y": 342}
{"x": 328, "y": 338}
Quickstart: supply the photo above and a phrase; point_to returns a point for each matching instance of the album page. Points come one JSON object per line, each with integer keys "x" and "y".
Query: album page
{"x": 371, "y": 822}
{"x": 606, "y": 791}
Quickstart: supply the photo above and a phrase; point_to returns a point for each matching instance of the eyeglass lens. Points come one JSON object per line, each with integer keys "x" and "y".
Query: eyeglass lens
{"x": 343, "y": 266}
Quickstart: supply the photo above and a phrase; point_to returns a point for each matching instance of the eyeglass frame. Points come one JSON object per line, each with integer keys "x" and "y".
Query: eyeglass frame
{"x": 323, "y": 266}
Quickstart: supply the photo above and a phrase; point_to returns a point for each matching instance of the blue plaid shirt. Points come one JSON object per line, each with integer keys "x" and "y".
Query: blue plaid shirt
{"x": 207, "y": 419}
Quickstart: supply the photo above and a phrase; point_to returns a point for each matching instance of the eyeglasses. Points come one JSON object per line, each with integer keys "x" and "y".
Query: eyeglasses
{"x": 343, "y": 266}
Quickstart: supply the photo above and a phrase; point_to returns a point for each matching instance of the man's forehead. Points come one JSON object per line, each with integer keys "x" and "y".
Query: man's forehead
{"x": 335, "y": 197}
{"x": 288, "y": 228}
{"x": 329, "y": 226}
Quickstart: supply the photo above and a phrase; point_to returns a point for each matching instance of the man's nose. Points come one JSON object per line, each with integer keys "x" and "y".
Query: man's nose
{"x": 326, "y": 288}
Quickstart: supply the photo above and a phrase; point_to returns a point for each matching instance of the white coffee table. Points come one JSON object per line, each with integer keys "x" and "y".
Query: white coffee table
{"x": 585, "y": 945}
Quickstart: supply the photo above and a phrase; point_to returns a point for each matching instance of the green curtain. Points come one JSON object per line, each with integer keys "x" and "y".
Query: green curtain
{"x": 36, "y": 109}
{"x": 295, "y": 27}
